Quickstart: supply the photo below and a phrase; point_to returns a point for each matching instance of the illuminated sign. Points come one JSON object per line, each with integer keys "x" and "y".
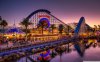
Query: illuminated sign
{"x": 42, "y": 16}
{"x": 44, "y": 22}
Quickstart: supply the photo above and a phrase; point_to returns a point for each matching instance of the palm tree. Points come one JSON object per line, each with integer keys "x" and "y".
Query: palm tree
{"x": 99, "y": 27}
{"x": 26, "y": 23}
{"x": 68, "y": 29}
{"x": 61, "y": 27}
{"x": 0, "y": 18}
{"x": 95, "y": 27}
{"x": 3, "y": 24}
{"x": 42, "y": 25}
{"x": 0, "y": 21}
{"x": 53, "y": 27}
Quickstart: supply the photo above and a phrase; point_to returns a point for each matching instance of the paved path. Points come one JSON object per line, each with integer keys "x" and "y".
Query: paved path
{"x": 31, "y": 47}
{"x": 24, "y": 49}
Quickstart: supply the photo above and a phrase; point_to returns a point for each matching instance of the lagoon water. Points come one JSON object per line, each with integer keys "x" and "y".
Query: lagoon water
{"x": 90, "y": 54}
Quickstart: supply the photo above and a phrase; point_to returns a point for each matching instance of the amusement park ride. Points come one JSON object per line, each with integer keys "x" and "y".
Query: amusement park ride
{"x": 43, "y": 20}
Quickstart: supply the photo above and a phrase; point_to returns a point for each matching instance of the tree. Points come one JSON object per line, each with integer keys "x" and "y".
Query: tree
{"x": 26, "y": 24}
{"x": 0, "y": 18}
{"x": 68, "y": 29}
{"x": 42, "y": 24}
{"x": 0, "y": 21}
{"x": 61, "y": 27}
{"x": 53, "y": 27}
{"x": 95, "y": 27}
{"x": 3, "y": 24}
{"x": 99, "y": 27}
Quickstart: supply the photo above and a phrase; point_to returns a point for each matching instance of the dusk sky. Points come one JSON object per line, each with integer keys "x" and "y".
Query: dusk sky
{"x": 66, "y": 10}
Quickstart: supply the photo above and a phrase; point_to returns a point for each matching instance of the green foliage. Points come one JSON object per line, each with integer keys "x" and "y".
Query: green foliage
{"x": 3, "y": 23}
{"x": 53, "y": 27}
{"x": 61, "y": 27}
{"x": 25, "y": 23}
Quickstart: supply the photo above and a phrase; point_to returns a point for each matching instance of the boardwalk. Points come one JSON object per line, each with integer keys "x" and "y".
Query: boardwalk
{"x": 35, "y": 46}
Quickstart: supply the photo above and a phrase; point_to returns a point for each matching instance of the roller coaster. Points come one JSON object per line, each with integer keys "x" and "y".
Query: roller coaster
{"x": 80, "y": 26}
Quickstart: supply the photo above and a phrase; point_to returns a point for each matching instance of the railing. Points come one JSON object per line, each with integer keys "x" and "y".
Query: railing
{"x": 25, "y": 48}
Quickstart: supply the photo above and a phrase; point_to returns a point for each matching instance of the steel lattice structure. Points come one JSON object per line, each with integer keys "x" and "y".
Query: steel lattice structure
{"x": 43, "y": 13}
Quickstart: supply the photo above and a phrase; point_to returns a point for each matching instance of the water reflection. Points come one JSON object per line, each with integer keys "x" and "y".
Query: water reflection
{"x": 87, "y": 50}
{"x": 80, "y": 48}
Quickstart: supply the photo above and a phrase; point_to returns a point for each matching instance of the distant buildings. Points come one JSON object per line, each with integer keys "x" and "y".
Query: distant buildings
{"x": 72, "y": 25}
